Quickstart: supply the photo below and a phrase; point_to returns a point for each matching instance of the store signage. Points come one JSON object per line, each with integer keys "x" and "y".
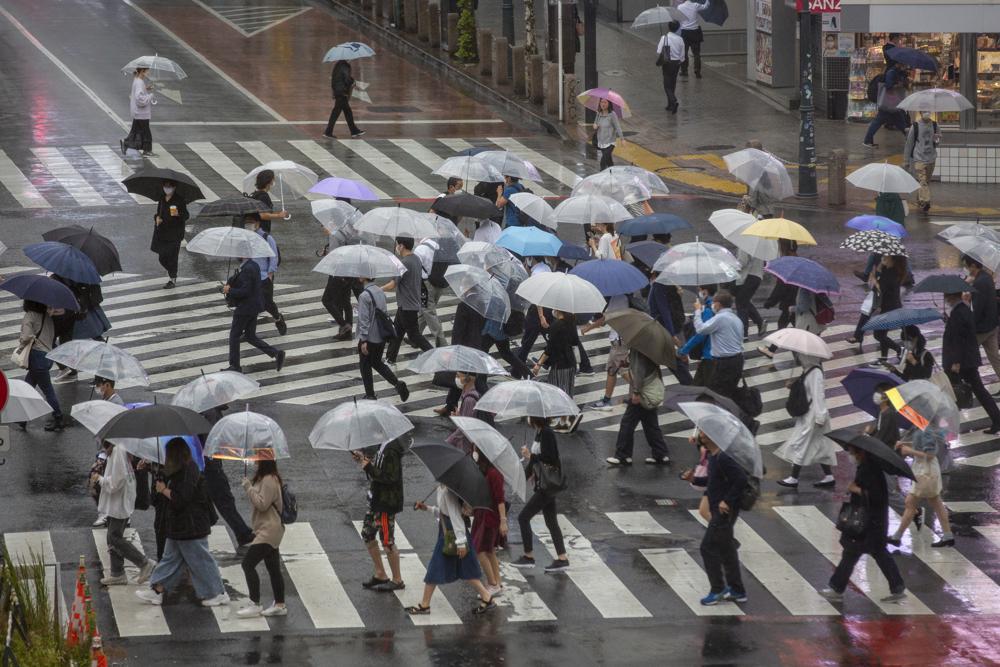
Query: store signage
{"x": 818, "y": 6}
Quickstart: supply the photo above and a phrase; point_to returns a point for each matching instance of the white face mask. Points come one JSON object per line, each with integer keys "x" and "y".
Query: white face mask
{"x": 459, "y": 383}
{"x": 924, "y": 115}
{"x": 877, "y": 398}
{"x": 167, "y": 190}
{"x": 703, "y": 295}
{"x": 911, "y": 345}
{"x": 475, "y": 456}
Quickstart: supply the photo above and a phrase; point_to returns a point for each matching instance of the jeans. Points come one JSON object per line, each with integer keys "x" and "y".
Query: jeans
{"x": 720, "y": 556}
{"x": 518, "y": 369}
{"x": 168, "y": 260}
{"x": 634, "y": 415}
{"x": 337, "y": 301}
{"x": 246, "y": 326}
{"x": 546, "y": 504}
{"x": 38, "y": 376}
{"x": 341, "y": 103}
{"x": 272, "y": 561}
{"x": 726, "y": 374}
{"x": 428, "y": 316}
{"x": 120, "y": 549}
{"x": 744, "y": 304}
{"x": 670, "y": 70}
{"x": 267, "y": 287}
{"x": 140, "y": 136}
{"x": 373, "y": 360}
{"x": 606, "y": 160}
{"x": 199, "y": 561}
{"x": 406, "y": 323}
{"x": 883, "y": 117}
{"x": 222, "y": 497}
{"x": 842, "y": 574}
{"x": 971, "y": 376}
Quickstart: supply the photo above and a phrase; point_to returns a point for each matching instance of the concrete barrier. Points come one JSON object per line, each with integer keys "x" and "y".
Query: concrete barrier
{"x": 434, "y": 24}
{"x": 836, "y": 189}
{"x": 571, "y": 113}
{"x": 551, "y": 88}
{"x": 518, "y": 73}
{"x": 536, "y": 78}
{"x": 500, "y": 61}
{"x": 485, "y": 36}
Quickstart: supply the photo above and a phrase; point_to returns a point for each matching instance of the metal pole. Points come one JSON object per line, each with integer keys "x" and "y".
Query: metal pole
{"x": 967, "y": 76}
{"x": 590, "y": 50}
{"x": 807, "y": 126}
{"x": 559, "y": 23}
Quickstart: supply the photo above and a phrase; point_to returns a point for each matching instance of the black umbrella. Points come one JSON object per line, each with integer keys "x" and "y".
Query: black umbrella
{"x": 676, "y": 394}
{"x": 149, "y": 183}
{"x": 888, "y": 459}
{"x": 98, "y": 248}
{"x": 464, "y": 205}
{"x": 231, "y": 207}
{"x": 946, "y": 284}
{"x": 647, "y": 252}
{"x": 154, "y": 421}
{"x": 456, "y": 470}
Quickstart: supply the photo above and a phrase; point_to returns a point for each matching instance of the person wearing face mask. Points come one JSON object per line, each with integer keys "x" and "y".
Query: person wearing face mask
{"x": 466, "y": 383}
{"x": 885, "y": 428}
{"x": 268, "y": 267}
{"x": 244, "y": 289}
{"x": 984, "y": 310}
{"x": 536, "y": 320}
{"x": 920, "y": 153}
{"x": 695, "y": 341}
{"x": 808, "y": 444}
{"x": 918, "y": 362}
{"x": 407, "y": 288}
{"x": 141, "y": 101}
{"x": 960, "y": 356}
{"x": 168, "y": 230}
{"x": 725, "y": 332}
{"x": 371, "y": 343}
{"x": 719, "y": 547}
{"x": 263, "y": 185}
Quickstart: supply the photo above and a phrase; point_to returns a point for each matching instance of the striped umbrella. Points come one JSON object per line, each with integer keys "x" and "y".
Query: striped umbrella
{"x": 901, "y": 317}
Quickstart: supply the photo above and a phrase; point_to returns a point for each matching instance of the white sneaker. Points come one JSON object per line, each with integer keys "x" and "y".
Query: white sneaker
{"x": 275, "y": 610}
{"x": 145, "y": 572}
{"x": 100, "y": 521}
{"x": 615, "y": 461}
{"x": 250, "y": 611}
{"x": 217, "y": 601}
{"x": 149, "y": 596}
{"x": 111, "y": 580}
{"x": 495, "y": 590}
{"x": 68, "y": 375}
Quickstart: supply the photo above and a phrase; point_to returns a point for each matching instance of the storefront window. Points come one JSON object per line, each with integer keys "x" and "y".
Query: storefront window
{"x": 988, "y": 80}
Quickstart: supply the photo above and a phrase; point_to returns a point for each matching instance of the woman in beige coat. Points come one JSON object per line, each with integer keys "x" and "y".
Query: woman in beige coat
{"x": 264, "y": 492}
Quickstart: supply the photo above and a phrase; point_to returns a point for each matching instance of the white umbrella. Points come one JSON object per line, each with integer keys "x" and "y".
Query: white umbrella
{"x": 359, "y": 424}
{"x": 468, "y": 168}
{"x": 527, "y": 398}
{"x": 935, "y": 100}
{"x": 509, "y": 164}
{"x": 459, "y": 358}
{"x": 476, "y": 288}
{"x": 883, "y": 177}
{"x": 231, "y": 242}
{"x": 291, "y": 177}
{"x": 160, "y": 68}
{"x": 24, "y": 403}
{"x": 494, "y": 446}
{"x": 535, "y": 208}
{"x": 360, "y": 261}
{"x": 101, "y": 360}
{"x": 334, "y": 214}
{"x": 728, "y": 433}
{"x": 588, "y": 209}
{"x": 731, "y": 223}
{"x": 801, "y": 341}
{"x": 653, "y": 182}
{"x": 656, "y": 15}
{"x": 619, "y": 185}
{"x": 246, "y": 436}
{"x": 210, "y": 390}
{"x": 969, "y": 229}
{"x": 348, "y": 51}
{"x": 982, "y": 250}
{"x": 696, "y": 263}
{"x": 94, "y": 415}
{"x": 562, "y": 291}
{"x": 761, "y": 171}
{"x": 395, "y": 222}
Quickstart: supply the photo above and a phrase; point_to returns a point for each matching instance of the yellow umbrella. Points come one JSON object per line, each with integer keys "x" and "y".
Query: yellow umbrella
{"x": 780, "y": 228}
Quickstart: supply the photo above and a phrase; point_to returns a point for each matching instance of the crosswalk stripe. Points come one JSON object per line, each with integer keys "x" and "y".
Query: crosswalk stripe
{"x": 163, "y": 159}
{"x": 525, "y": 605}
{"x": 221, "y": 546}
{"x": 115, "y": 167}
{"x": 688, "y": 581}
{"x": 260, "y": 151}
{"x": 19, "y": 186}
{"x": 820, "y": 532}
{"x": 26, "y": 548}
{"x": 551, "y": 167}
{"x": 317, "y": 584}
{"x": 457, "y": 145}
{"x": 133, "y": 617}
{"x": 332, "y": 165}
{"x": 220, "y": 162}
{"x": 591, "y": 575}
{"x": 68, "y": 177}
{"x": 637, "y": 523}
{"x": 367, "y": 152}
{"x": 969, "y": 507}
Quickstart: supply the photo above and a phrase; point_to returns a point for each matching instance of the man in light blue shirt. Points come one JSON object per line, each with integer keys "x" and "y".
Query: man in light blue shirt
{"x": 725, "y": 330}
{"x": 268, "y": 267}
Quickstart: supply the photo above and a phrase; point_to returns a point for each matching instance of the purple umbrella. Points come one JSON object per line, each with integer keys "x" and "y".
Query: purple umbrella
{"x": 876, "y": 223}
{"x": 860, "y": 385}
{"x": 804, "y": 273}
{"x": 344, "y": 188}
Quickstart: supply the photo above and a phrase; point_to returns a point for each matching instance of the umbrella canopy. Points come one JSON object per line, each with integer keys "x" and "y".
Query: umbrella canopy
{"x": 41, "y": 289}
{"x": 912, "y": 58}
{"x": 529, "y": 242}
{"x": 24, "y": 403}
{"x": 64, "y": 260}
{"x": 876, "y": 223}
{"x": 246, "y": 436}
{"x": 935, "y": 100}
{"x": 292, "y": 179}
{"x": 590, "y": 99}
{"x": 148, "y": 182}
{"x": 101, "y": 251}
{"x": 509, "y": 164}
{"x": 153, "y": 421}
{"x": 642, "y": 333}
{"x": 339, "y": 217}
{"x": 696, "y": 263}
{"x": 901, "y": 317}
{"x": 761, "y": 171}
{"x": 396, "y": 222}
{"x": 861, "y": 383}
{"x": 657, "y": 15}
{"x": 982, "y": 250}
{"x": 621, "y": 186}
{"x": 463, "y": 204}
{"x": 494, "y": 446}
{"x": 879, "y": 243}
{"x": 780, "y": 228}
{"x": 804, "y": 273}
{"x": 94, "y": 415}
{"x": 588, "y": 209}
{"x": 483, "y": 255}
{"x": 573, "y": 252}
{"x": 232, "y": 242}
{"x": 359, "y": 424}
{"x": 676, "y": 394}
{"x": 101, "y": 360}
{"x": 160, "y": 68}
{"x": 344, "y": 188}
{"x": 562, "y": 291}
{"x": 925, "y": 405}
{"x": 448, "y": 238}
{"x": 527, "y": 398}
{"x": 348, "y": 51}
{"x": 886, "y": 457}
{"x": 969, "y": 229}
{"x": 360, "y": 261}
{"x": 611, "y": 276}
{"x": 945, "y": 284}
{"x": 653, "y": 182}
{"x": 732, "y": 224}
{"x": 646, "y": 252}
{"x": 456, "y": 470}
{"x": 883, "y": 177}
{"x": 475, "y": 288}
{"x": 535, "y": 208}
{"x": 730, "y": 434}
{"x": 655, "y": 223}
{"x": 212, "y": 390}
{"x": 456, "y": 358}
{"x": 469, "y": 168}
{"x": 801, "y": 341}
{"x": 232, "y": 207}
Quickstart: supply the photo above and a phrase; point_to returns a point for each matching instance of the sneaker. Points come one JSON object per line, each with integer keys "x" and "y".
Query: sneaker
{"x": 524, "y": 562}
{"x": 950, "y": 542}
{"x": 766, "y": 352}
{"x": 615, "y": 461}
{"x": 879, "y": 363}
{"x": 734, "y": 596}
{"x": 867, "y": 144}
{"x": 359, "y": 133}
{"x": 279, "y": 360}
{"x": 146, "y": 571}
{"x": 789, "y": 482}
{"x": 148, "y": 154}
{"x": 275, "y": 610}
{"x": 328, "y": 135}
{"x": 826, "y": 482}
{"x": 149, "y": 596}
{"x": 603, "y": 404}
{"x": 404, "y": 392}
{"x": 712, "y": 599}
{"x": 653, "y": 461}
{"x": 250, "y": 611}
{"x": 170, "y": 285}
{"x": 992, "y": 430}
{"x": 281, "y": 326}
{"x": 100, "y": 521}
{"x": 217, "y": 601}
{"x": 115, "y": 580}
{"x": 557, "y": 566}
{"x": 894, "y": 597}
{"x": 68, "y": 375}
{"x": 574, "y": 423}
{"x": 585, "y": 371}
{"x": 389, "y": 586}
{"x": 831, "y": 595}
{"x": 55, "y": 424}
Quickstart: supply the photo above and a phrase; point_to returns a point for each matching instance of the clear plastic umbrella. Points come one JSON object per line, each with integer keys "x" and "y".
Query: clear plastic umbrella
{"x": 475, "y": 288}
{"x": 246, "y": 436}
{"x": 982, "y": 250}
{"x": 230, "y": 242}
{"x": 210, "y": 390}
{"x": 359, "y": 424}
{"x": 618, "y": 185}
{"x": 761, "y": 171}
{"x": 653, "y": 182}
{"x": 100, "y": 359}
{"x": 801, "y": 341}
{"x": 334, "y": 214}
{"x": 535, "y": 208}
{"x": 160, "y": 68}
{"x": 883, "y": 177}
{"x": 468, "y": 168}
{"x": 696, "y": 263}
{"x": 562, "y": 291}
{"x": 728, "y": 433}
{"x": 93, "y": 415}
{"x": 969, "y": 229}
{"x": 924, "y": 404}
{"x": 509, "y": 164}
{"x": 656, "y": 16}
{"x": 360, "y": 261}
{"x": 486, "y": 256}
{"x": 459, "y": 358}
{"x": 293, "y": 179}
{"x": 731, "y": 223}
{"x": 935, "y": 100}
{"x": 527, "y": 398}
{"x": 396, "y": 221}
{"x": 494, "y": 446}
{"x": 449, "y": 239}
{"x": 348, "y": 51}
{"x": 24, "y": 403}
{"x": 588, "y": 209}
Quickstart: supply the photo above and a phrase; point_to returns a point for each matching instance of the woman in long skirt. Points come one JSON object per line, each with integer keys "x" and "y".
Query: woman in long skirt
{"x": 562, "y": 362}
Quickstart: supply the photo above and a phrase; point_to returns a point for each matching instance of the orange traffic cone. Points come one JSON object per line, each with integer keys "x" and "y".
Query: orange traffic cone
{"x": 97, "y": 657}
{"x": 76, "y": 629}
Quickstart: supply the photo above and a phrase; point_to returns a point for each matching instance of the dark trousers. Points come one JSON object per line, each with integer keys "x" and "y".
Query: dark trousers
{"x": 859, "y": 334}
{"x": 546, "y": 504}
{"x": 406, "y": 323}
{"x": 337, "y": 300}
{"x": 272, "y": 561}
{"x": 842, "y": 574}
{"x": 373, "y": 360}
{"x": 633, "y": 416}
{"x": 885, "y": 343}
{"x": 222, "y": 497}
{"x": 682, "y": 373}
{"x": 971, "y": 376}
{"x": 139, "y": 135}
{"x": 606, "y": 160}
{"x": 38, "y": 376}
{"x": 670, "y": 70}
{"x": 341, "y": 103}
{"x": 692, "y": 47}
{"x": 245, "y": 326}
{"x": 719, "y": 554}
{"x": 518, "y": 368}
{"x": 120, "y": 549}
{"x": 267, "y": 287}
{"x": 532, "y": 330}
{"x": 726, "y": 374}
{"x": 168, "y": 259}
{"x": 896, "y": 117}
{"x": 744, "y": 304}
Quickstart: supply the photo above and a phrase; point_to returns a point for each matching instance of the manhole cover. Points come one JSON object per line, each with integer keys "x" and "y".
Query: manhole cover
{"x": 714, "y": 147}
{"x": 376, "y": 109}
{"x": 614, "y": 72}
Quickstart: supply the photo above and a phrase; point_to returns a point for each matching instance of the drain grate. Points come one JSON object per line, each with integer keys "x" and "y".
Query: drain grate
{"x": 715, "y": 147}
{"x": 376, "y": 109}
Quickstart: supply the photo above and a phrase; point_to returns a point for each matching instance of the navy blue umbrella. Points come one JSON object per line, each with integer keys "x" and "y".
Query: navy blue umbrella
{"x": 912, "y": 58}
{"x": 64, "y": 260}
{"x": 657, "y": 223}
{"x": 945, "y": 284}
{"x": 42, "y": 289}
{"x": 647, "y": 252}
{"x": 804, "y": 273}
{"x": 611, "y": 276}
{"x": 901, "y": 317}
{"x": 860, "y": 384}
{"x": 573, "y": 251}
{"x": 475, "y": 150}
{"x": 716, "y": 13}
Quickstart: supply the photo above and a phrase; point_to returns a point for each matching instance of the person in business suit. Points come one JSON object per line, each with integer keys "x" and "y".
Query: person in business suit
{"x": 984, "y": 310}
{"x": 960, "y": 355}
{"x": 244, "y": 289}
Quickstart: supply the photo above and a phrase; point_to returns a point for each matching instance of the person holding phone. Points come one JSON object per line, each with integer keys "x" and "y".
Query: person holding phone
{"x": 168, "y": 230}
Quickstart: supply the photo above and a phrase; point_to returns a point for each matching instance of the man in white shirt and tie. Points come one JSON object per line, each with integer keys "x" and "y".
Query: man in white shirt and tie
{"x": 671, "y": 47}
{"x": 691, "y": 33}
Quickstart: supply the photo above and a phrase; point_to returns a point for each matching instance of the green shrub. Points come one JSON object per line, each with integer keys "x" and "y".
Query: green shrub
{"x": 467, "y": 48}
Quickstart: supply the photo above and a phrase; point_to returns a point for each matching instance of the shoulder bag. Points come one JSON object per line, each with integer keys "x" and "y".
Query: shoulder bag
{"x": 852, "y": 520}
{"x": 21, "y": 356}
{"x": 549, "y": 479}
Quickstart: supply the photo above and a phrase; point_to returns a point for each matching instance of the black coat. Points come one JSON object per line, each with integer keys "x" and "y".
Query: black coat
{"x": 170, "y": 232}
{"x": 468, "y": 327}
{"x": 871, "y": 479}
{"x": 888, "y": 290}
{"x": 984, "y": 303}
{"x": 341, "y": 80}
{"x": 188, "y": 510}
{"x": 245, "y": 289}
{"x": 959, "y": 345}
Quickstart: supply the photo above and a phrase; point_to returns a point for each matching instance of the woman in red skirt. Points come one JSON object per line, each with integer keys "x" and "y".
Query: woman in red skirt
{"x": 488, "y": 525}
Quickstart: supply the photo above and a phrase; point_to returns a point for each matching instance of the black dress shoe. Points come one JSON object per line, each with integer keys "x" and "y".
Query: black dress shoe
{"x": 281, "y": 325}
{"x": 404, "y": 392}
{"x": 279, "y": 360}
{"x": 943, "y": 543}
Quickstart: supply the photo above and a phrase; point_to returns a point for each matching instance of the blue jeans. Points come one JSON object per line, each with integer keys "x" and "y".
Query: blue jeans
{"x": 195, "y": 555}
{"x": 38, "y": 376}
{"x": 881, "y": 118}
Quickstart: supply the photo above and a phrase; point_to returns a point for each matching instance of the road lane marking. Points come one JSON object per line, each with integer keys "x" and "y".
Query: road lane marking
{"x": 133, "y": 617}
{"x": 637, "y": 523}
{"x": 969, "y": 507}
{"x": 68, "y": 177}
{"x": 165, "y": 160}
{"x": 389, "y": 167}
{"x": 220, "y": 162}
{"x": 29, "y": 546}
{"x": 330, "y": 164}
{"x": 221, "y": 546}
{"x": 260, "y": 151}
{"x": 19, "y": 186}
{"x": 688, "y": 580}
{"x": 115, "y": 167}
{"x": 549, "y": 166}
{"x": 525, "y": 604}
{"x": 317, "y": 583}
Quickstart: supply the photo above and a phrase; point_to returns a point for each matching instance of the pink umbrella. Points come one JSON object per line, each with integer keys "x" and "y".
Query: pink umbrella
{"x": 591, "y": 98}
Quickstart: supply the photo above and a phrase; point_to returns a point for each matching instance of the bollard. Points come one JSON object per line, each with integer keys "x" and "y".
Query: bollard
{"x": 366, "y": 4}
{"x": 536, "y": 75}
{"x": 836, "y": 187}
{"x": 485, "y": 51}
{"x": 377, "y": 9}
{"x": 517, "y": 69}
{"x": 452, "y": 32}
{"x": 500, "y": 61}
{"x": 754, "y": 143}
{"x": 571, "y": 106}
{"x": 410, "y": 15}
{"x": 434, "y": 25}
{"x": 552, "y": 88}
{"x": 422, "y": 20}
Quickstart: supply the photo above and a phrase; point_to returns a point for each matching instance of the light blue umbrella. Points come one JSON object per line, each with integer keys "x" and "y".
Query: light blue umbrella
{"x": 529, "y": 242}
{"x": 348, "y": 51}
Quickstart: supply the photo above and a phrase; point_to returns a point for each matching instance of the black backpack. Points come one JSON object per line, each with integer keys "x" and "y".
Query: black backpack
{"x": 798, "y": 401}
{"x": 383, "y": 323}
{"x": 749, "y": 399}
{"x": 289, "y": 506}
{"x": 871, "y": 93}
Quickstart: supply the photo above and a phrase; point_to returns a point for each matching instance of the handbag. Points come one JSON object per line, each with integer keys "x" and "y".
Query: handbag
{"x": 852, "y": 519}
{"x": 963, "y": 393}
{"x": 550, "y": 480}
{"x": 593, "y": 139}
{"x": 661, "y": 58}
{"x": 22, "y": 354}
{"x": 868, "y": 305}
{"x": 450, "y": 545}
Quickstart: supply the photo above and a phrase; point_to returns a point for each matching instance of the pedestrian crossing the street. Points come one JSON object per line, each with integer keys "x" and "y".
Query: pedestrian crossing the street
{"x": 90, "y": 175}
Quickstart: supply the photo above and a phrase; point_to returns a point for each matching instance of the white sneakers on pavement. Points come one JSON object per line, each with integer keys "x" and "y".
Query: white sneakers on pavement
{"x": 275, "y": 610}
{"x": 149, "y": 596}
{"x": 217, "y": 601}
{"x": 112, "y": 580}
{"x": 250, "y": 611}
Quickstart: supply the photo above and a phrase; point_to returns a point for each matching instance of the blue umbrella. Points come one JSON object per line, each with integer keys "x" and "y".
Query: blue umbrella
{"x": 657, "y": 223}
{"x": 876, "y": 223}
{"x": 611, "y": 276}
{"x": 943, "y": 283}
{"x": 529, "y": 242}
{"x": 804, "y": 273}
{"x": 717, "y": 13}
{"x": 647, "y": 252}
{"x": 193, "y": 442}
{"x": 912, "y": 58}
{"x": 42, "y": 289}
{"x": 572, "y": 251}
{"x": 348, "y": 51}
{"x": 860, "y": 384}
{"x": 64, "y": 260}
{"x": 475, "y": 150}
{"x": 901, "y": 317}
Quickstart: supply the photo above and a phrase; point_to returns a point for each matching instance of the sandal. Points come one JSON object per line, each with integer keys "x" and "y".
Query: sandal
{"x": 485, "y": 606}
{"x": 418, "y": 610}
{"x": 686, "y": 474}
